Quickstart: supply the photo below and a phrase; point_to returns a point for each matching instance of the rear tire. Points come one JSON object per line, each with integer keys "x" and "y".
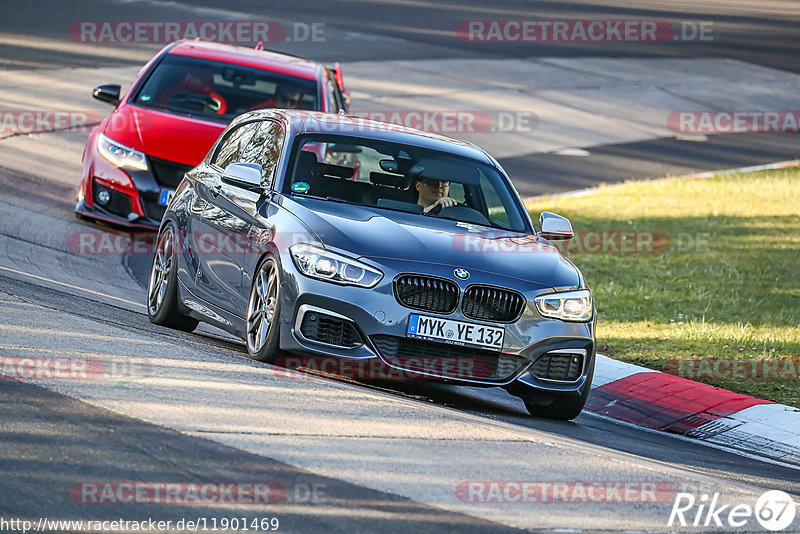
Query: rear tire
{"x": 263, "y": 313}
{"x": 162, "y": 289}
{"x": 559, "y": 407}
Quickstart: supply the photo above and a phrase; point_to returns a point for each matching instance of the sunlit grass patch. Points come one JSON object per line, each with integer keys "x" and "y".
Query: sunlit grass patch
{"x": 727, "y": 286}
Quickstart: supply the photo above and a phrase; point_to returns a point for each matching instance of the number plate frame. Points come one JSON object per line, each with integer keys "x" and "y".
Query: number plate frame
{"x": 459, "y": 333}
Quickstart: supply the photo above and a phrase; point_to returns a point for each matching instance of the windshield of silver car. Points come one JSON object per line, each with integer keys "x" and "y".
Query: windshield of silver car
{"x": 401, "y": 178}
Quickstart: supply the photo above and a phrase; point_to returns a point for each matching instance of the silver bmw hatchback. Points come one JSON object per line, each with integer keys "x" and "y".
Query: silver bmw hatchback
{"x": 376, "y": 251}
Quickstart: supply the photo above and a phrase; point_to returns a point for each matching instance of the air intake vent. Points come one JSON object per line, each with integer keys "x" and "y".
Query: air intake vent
{"x": 448, "y": 361}
{"x": 426, "y": 293}
{"x": 487, "y": 303}
{"x": 168, "y": 173}
{"x": 559, "y": 366}
{"x": 329, "y": 329}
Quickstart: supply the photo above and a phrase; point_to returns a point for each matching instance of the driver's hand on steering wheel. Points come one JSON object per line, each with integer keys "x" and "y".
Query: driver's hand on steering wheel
{"x": 444, "y": 202}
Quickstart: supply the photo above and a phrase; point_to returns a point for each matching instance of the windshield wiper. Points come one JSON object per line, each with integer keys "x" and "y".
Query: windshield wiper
{"x": 489, "y": 225}
{"x": 343, "y": 201}
{"x": 157, "y": 106}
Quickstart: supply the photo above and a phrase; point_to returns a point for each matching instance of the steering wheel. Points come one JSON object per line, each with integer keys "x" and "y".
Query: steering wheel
{"x": 461, "y": 212}
{"x": 196, "y": 102}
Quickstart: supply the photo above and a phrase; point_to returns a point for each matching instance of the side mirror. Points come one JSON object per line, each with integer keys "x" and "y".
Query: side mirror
{"x": 108, "y": 93}
{"x": 555, "y": 227}
{"x": 244, "y": 175}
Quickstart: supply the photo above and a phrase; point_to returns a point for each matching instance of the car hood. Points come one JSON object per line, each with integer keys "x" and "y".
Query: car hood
{"x": 369, "y": 233}
{"x": 163, "y": 135}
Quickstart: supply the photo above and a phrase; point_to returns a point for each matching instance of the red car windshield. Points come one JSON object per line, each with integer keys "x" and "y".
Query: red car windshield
{"x": 221, "y": 91}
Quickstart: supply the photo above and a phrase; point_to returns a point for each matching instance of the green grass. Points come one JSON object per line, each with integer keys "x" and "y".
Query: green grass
{"x": 728, "y": 285}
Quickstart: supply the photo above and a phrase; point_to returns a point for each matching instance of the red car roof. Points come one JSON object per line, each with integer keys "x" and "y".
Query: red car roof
{"x": 248, "y": 57}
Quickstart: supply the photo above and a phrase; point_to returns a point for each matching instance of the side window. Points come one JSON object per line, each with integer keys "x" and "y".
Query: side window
{"x": 235, "y": 141}
{"x": 494, "y": 206}
{"x": 265, "y": 149}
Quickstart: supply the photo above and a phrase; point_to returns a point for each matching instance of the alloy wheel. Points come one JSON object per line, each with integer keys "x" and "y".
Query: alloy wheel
{"x": 159, "y": 274}
{"x": 261, "y": 309}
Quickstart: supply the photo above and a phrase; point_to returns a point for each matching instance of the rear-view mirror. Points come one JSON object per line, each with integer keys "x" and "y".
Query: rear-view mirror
{"x": 108, "y": 93}
{"x": 244, "y": 175}
{"x": 555, "y": 227}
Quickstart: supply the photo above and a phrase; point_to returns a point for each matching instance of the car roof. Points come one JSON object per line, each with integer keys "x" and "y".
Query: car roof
{"x": 310, "y": 122}
{"x": 248, "y": 57}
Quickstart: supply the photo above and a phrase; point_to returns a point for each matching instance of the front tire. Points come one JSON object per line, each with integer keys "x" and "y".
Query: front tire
{"x": 263, "y": 313}
{"x": 162, "y": 289}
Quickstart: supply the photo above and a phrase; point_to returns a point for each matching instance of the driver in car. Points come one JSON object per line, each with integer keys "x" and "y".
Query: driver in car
{"x": 433, "y": 194}
{"x": 286, "y": 97}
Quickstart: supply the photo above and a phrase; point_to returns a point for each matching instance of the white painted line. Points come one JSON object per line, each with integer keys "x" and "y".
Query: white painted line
{"x": 573, "y": 152}
{"x": 64, "y": 284}
{"x": 694, "y": 138}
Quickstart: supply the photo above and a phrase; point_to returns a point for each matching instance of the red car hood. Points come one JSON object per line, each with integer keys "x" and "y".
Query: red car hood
{"x": 162, "y": 135}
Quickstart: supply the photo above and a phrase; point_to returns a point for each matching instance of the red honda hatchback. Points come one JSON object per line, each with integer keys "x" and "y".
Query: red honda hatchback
{"x": 174, "y": 112}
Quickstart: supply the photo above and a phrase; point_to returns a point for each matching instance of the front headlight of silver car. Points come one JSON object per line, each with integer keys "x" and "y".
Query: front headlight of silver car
{"x": 325, "y": 265}
{"x": 567, "y": 305}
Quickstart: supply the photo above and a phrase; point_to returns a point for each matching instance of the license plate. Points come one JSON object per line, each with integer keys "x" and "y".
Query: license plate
{"x": 455, "y": 332}
{"x": 166, "y": 196}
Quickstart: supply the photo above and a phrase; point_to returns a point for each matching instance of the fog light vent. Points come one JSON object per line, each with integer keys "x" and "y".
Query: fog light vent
{"x": 564, "y": 366}
{"x": 329, "y": 329}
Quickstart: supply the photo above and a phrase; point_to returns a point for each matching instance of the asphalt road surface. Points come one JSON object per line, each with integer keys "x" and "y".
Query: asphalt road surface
{"x": 341, "y": 456}
{"x": 198, "y": 410}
